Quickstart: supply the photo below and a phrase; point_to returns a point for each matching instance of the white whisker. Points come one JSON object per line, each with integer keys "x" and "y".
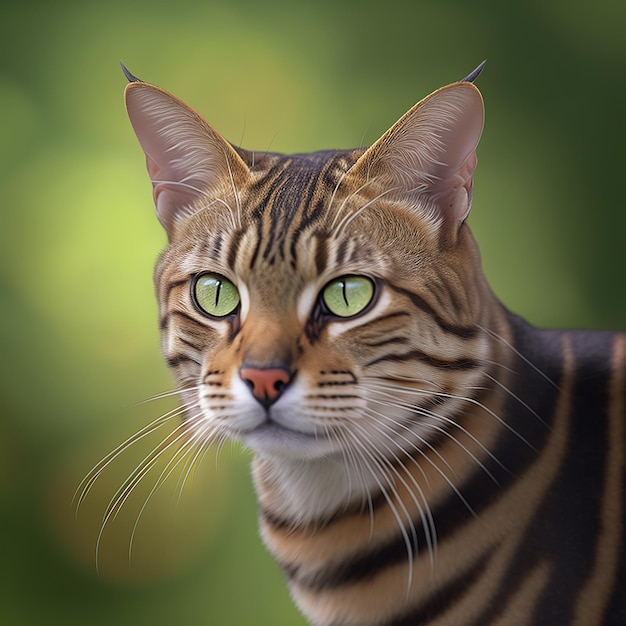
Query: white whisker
{"x": 87, "y": 483}
{"x": 235, "y": 191}
{"x": 380, "y": 465}
{"x": 179, "y": 455}
{"x": 233, "y": 220}
{"x": 422, "y": 453}
{"x": 205, "y": 437}
{"x": 479, "y": 404}
{"x": 345, "y": 202}
{"x": 518, "y": 399}
{"x": 144, "y": 467}
{"x": 179, "y": 183}
{"x": 332, "y": 197}
{"x": 519, "y": 354}
{"x": 441, "y": 418}
{"x": 346, "y": 221}
{"x": 167, "y": 394}
{"x": 351, "y": 461}
{"x": 428, "y": 523}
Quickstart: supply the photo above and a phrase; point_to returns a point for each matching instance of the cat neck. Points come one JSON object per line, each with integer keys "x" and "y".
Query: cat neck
{"x": 308, "y": 492}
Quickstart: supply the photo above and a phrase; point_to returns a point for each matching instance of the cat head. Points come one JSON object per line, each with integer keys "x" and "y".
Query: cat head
{"x": 310, "y": 302}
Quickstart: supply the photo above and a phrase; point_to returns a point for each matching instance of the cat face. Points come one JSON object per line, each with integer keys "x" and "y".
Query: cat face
{"x": 312, "y": 303}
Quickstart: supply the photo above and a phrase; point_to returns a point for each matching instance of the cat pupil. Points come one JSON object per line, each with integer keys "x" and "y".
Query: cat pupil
{"x": 345, "y": 294}
{"x": 218, "y": 288}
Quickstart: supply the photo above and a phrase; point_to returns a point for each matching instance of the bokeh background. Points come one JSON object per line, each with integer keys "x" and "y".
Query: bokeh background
{"x": 78, "y": 330}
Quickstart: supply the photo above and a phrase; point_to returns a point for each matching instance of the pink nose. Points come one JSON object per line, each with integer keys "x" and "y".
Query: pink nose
{"x": 266, "y": 384}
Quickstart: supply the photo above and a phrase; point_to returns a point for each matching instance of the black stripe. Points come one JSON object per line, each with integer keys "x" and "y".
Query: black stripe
{"x": 342, "y": 251}
{"x": 279, "y": 203}
{"x": 308, "y": 217}
{"x": 323, "y": 177}
{"x": 418, "y": 355}
{"x": 329, "y": 396}
{"x": 285, "y": 524}
{"x": 558, "y": 531}
{"x": 389, "y": 316}
{"x": 295, "y": 195}
{"x": 309, "y": 175}
{"x": 235, "y": 242}
{"x": 447, "y": 596}
{"x": 190, "y": 344}
{"x": 321, "y": 254}
{"x": 264, "y": 188}
{"x": 437, "y": 290}
{"x": 363, "y": 565}
{"x": 172, "y": 285}
{"x": 259, "y": 239}
{"x": 216, "y": 248}
{"x": 335, "y": 383}
{"x": 569, "y": 523}
{"x": 445, "y": 295}
{"x": 174, "y": 361}
{"x": 164, "y": 321}
{"x": 466, "y": 332}
{"x": 616, "y": 612}
{"x": 402, "y": 340}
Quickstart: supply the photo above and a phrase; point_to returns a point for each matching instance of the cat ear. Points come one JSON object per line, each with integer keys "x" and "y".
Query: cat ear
{"x": 428, "y": 157}
{"x": 186, "y": 158}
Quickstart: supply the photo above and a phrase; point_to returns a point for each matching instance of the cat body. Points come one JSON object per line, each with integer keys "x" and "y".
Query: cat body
{"x": 421, "y": 455}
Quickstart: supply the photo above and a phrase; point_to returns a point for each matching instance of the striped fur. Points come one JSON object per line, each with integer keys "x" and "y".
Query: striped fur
{"x": 434, "y": 460}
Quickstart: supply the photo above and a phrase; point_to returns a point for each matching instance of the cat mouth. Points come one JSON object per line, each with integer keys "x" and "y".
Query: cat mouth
{"x": 275, "y": 439}
{"x": 270, "y": 428}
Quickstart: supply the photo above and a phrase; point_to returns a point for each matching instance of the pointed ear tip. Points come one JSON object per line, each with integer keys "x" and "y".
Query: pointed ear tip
{"x": 469, "y": 87}
{"x": 137, "y": 85}
{"x": 130, "y": 90}
{"x": 130, "y": 87}
{"x": 467, "y": 92}
{"x": 138, "y": 96}
{"x": 137, "y": 89}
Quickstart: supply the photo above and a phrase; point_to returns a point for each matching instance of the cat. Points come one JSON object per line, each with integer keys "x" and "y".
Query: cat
{"x": 421, "y": 454}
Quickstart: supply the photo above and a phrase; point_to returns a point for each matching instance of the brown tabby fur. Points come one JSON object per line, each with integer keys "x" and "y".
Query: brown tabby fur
{"x": 431, "y": 460}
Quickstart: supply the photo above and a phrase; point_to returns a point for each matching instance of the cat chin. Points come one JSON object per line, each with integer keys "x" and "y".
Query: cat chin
{"x": 275, "y": 441}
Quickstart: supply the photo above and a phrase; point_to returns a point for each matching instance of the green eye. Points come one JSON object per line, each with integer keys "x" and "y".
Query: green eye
{"x": 215, "y": 295}
{"x": 348, "y": 296}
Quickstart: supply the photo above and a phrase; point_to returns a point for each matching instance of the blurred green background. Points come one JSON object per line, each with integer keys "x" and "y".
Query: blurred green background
{"x": 78, "y": 326}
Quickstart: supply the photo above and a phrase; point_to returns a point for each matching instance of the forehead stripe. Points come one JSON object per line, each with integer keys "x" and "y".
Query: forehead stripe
{"x": 235, "y": 244}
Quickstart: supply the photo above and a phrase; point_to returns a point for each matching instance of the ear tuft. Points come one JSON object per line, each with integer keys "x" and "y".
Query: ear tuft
{"x": 472, "y": 76}
{"x": 129, "y": 77}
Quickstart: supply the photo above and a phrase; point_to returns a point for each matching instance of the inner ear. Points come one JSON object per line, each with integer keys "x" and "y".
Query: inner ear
{"x": 187, "y": 160}
{"x": 427, "y": 159}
